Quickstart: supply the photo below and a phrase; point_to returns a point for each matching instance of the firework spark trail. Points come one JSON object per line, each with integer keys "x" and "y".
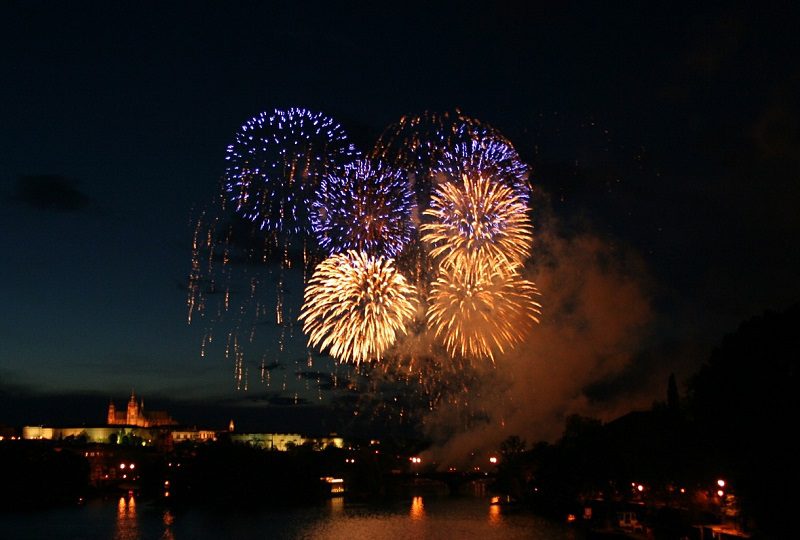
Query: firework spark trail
{"x": 477, "y": 221}
{"x": 365, "y": 208}
{"x": 243, "y": 247}
{"x": 479, "y": 310}
{"x": 275, "y": 166}
{"x": 356, "y": 306}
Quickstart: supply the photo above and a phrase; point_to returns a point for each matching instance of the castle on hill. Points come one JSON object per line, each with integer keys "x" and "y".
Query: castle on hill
{"x": 135, "y": 415}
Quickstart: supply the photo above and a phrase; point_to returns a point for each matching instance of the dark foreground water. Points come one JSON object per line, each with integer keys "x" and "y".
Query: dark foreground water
{"x": 417, "y": 518}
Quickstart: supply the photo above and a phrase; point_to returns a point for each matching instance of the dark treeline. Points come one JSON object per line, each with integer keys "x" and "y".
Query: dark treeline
{"x": 734, "y": 424}
{"x": 32, "y": 474}
{"x": 44, "y": 473}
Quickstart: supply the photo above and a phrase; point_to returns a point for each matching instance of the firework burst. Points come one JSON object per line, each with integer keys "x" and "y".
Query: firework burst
{"x": 418, "y": 143}
{"x": 477, "y": 221}
{"x": 480, "y": 310}
{"x": 488, "y": 155}
{"x": 275, "y": 163}
{"x": 356, "y": 306}
{"x": 365, "y": 208}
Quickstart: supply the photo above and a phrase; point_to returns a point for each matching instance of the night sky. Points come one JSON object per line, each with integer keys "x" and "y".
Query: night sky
{"x": 665, "y": 138}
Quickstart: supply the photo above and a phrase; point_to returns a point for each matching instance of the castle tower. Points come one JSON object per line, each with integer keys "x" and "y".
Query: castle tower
{"x": 132, "y": 417}
{"x": 112, "y": 414}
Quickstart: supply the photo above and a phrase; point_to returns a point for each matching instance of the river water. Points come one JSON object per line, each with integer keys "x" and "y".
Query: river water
{"x": 129, "y": 518}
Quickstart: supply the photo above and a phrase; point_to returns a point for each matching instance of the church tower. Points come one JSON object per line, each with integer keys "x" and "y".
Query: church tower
{"x": 132, "y": 418}
{"x": 112, "y": 413}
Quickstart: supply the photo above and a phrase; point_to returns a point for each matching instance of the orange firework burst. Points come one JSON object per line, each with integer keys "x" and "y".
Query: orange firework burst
{"x": 356, "y": 306}
{"x": 479, "y": 310}
{"x": 477, "y": 221}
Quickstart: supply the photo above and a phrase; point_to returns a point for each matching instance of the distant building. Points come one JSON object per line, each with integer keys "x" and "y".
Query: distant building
{"x": 137, "y": 426}
{"x": 89, "y": 434}
{"x": 135, "y": 415}
{"x": 193, "y": 435}
{"x": 284, "y": 441}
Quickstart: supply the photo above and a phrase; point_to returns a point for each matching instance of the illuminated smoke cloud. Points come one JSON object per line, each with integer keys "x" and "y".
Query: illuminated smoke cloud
{"x": 591, "y": 332}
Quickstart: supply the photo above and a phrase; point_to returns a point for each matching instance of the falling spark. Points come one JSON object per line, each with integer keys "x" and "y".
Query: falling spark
{"x": 259, "y": 220}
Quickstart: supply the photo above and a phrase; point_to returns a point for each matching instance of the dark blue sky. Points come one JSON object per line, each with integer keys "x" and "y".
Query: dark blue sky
{"x": 672, "y": 130}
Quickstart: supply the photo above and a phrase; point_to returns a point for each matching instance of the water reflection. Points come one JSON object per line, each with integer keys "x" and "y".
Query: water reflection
{"x": 336, "y": 506}
{"x": 427, "y": 517}
{"x": 417, "y": 509}
{"x": 495, "y": 516}
{"x": 168, "y": 519}
{"x": 414, "y": 518}
{"x": 127, "y": 526}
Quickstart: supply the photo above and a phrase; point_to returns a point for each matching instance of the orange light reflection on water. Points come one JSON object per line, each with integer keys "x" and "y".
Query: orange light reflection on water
{"x": 127, "y": 525}
{"x": 168, "y": 519}
{"x": 417, "y": 509}
{"x": 495, "y": 515}
{"x": 336, "y": 505}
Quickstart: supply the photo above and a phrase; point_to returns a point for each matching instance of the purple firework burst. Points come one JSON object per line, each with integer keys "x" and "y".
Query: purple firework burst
{"x": 275, "y": 164}
{"x": 365, "y": 207}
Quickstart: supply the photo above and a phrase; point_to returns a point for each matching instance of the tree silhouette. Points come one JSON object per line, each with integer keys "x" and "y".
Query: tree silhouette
{"x": 673, "y": 401}
{"x": 741, "y": 400}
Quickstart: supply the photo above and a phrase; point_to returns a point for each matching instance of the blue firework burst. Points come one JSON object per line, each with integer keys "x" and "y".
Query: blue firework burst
{"x": 275, "y": 164}
{"x": 489, "y": 155}
{"x": 365, "y": 207}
